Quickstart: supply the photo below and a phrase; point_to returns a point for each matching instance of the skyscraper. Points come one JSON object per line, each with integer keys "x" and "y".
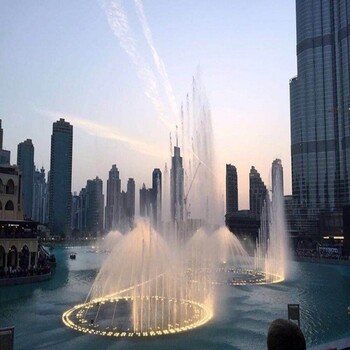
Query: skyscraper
{"x": 113, "y": 199}
{"x": 257, "y": 192}
{"x": 277, "y": 175}
{"x": 231, "y": 189}
{"x": 157, "y": 196}
{"x": 25, "y": 163}
{"x": 130, "y": 200}
{"x": 145, "y": 201}
{"x": 60, "y": 196}
{"x": 320, "y": 106}
{"x": 40, "y": 196}
{"x": 177, "y": 187}
{"x": 94, "y": 206}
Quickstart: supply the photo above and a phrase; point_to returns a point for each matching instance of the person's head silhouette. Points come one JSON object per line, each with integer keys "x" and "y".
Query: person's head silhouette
{"x": 285, "y": 335}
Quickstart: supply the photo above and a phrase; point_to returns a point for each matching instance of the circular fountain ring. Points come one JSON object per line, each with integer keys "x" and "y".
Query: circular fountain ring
{"x": 79, "y": 317}
{"x": 242, "y": 277}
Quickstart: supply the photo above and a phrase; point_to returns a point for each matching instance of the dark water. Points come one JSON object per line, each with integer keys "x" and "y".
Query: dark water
{"x": 242, "y": 314}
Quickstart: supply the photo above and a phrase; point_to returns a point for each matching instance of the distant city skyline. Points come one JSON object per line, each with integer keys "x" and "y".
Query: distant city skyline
{"x": 53, "y": 68}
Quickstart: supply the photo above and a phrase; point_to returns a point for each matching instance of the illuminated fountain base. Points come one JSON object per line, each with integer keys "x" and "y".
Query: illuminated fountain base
{"x": 239, "y": 277}
{"x": 156, "y": 316}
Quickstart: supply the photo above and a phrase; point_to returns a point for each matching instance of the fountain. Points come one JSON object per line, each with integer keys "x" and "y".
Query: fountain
{"x": 272, "y": 244}
{"x": 144, "y": 288}
{"x": 160, "y": 279}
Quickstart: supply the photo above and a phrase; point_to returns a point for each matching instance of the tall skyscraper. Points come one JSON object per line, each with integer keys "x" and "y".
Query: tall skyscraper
{"x": 320, "y": 106}
{"x": 231, "y": 189}
{"x": 82, "y": 210}
{"x": 257, "y": 192}
{"x": 177, "y": 187}
{"x": 130, "y": 200}
{"x": 277, "y": 175}
{"x": 40, "y": 197}
{"x": 60, "y": 196}
{"x": 113, "y": 199}
{"x": 75, "y": 214}
{"x": 94, "y": 206}
{"x": 145, "y": 201}
{"x": 25, "y": 163}
{"x": 157, "y": 196}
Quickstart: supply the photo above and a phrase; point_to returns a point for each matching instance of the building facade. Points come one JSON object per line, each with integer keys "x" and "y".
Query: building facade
{"x": 25, "y": 163}
{"x": 157, "y": 196}
{"x": 40, "y": 197}
{"x": 113, "y": 199}
{"x": 94, "y": 206}
{"x": 60, "y": 196}
{"x": 257, "y": 192}
{"x": 10, "y": 193}
{"x": 130, "y": 200}
{"x": 177, "y": 187}
{"x": 277, "y": 175}
{"x": 145, "y": 201}
{"x": 320, "y": 107}
{"x": 231, "y": 189}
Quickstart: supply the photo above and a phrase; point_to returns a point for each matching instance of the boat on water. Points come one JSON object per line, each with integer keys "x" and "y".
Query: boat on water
{"x": 73, "y": 256}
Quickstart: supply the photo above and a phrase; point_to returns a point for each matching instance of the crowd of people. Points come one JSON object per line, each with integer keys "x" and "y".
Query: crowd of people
{"x": 320, "y": 253}
{"x": 20, "y": 272}
{"x": 45, "y": 262}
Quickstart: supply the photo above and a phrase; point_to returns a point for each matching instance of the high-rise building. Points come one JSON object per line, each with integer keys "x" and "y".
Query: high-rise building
{"x": 157, "y": 196}
{"x": 257, "y": 192}
{"x": 320, "y": 106}
{"x": 25, "y": 163}
{"x": 145, "y": 201}
{"x": 82, "y": 210}
{"x": 75, "y": 214}
{"x": 113, "y": 199}
{"x": 94, "y": 206}
{"x": 231, "y": 189}
{"x": 88, "y": 209}
{"x": 277, "y": 175}
{"x": 177, "y": 187}
{"x": 40, "y": 197}
{"x": 60, "y": 196}
{"x": 130, "y": 200}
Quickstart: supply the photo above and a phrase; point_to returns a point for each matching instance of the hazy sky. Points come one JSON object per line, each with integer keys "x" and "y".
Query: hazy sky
{"x": 119, "y": 70}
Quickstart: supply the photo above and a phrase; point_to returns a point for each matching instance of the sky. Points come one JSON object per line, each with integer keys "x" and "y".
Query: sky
{"x": 118, "y": 71}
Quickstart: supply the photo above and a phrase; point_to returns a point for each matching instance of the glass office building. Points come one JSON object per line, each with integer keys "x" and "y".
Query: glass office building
{"x": 60, "y": 180}
{"x": 320, "y": 106}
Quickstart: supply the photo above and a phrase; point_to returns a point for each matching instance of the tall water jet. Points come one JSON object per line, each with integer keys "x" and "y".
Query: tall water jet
{"x": 272, "y": 245}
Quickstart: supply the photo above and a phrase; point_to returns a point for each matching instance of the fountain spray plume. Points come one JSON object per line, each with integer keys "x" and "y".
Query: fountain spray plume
{"x": 272, "y": 252}
{"x": 203, "y": 196}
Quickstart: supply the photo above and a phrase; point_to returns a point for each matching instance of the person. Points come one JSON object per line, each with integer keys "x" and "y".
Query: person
{"x": 285, "y": 335}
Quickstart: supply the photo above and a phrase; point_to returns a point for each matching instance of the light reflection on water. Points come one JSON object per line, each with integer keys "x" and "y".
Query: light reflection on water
{"x": 241, "y": 318}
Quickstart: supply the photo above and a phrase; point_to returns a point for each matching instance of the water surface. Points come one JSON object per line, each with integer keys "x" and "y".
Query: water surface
{"x": 242, "y": 314}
